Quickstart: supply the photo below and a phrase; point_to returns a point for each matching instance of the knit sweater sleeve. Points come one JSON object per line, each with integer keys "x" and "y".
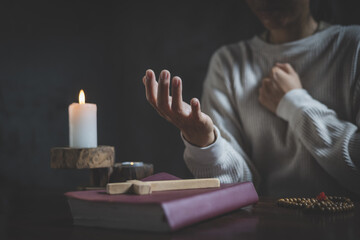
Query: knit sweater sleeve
{"x": 225, "y": 158}
{"x": 334, "y": 143}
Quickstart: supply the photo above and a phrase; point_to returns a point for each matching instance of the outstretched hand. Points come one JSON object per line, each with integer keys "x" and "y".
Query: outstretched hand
{"x": 196, "y": 127}
{"x": 281, "y": 80}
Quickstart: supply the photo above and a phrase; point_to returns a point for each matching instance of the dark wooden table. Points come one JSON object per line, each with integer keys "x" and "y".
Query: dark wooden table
{"x": 44, "y": 214}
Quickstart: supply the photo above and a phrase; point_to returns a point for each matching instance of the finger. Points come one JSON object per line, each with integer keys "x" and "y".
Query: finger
{"x": 144, "y": 79}
{"x": 263, "y": 87}
{"x": 270, "y": 88}
{"x": 279, "y": 75}
{"x": 266, "y": 82}
{"x": 176, "y": 92}
{"x": 262, "y": 99}
{"x": 282, "y": 66}
{"x": 195, "y": 108}
{"x": 263, "y": 95}
{"x": 151, "y": 87}
{"x": 275, "y": 88}
{"x": 267, "y": 86}
{"x": 286, "y": 67}
{"x": 261, "y": 91}
{"x": 163, "y": 92}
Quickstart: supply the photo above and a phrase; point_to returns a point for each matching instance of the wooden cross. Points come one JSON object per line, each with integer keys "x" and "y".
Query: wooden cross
{"x": 142, "y": 188}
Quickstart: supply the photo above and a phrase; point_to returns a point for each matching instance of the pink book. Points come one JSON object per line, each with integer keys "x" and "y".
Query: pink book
{"x": 160, "y": 211}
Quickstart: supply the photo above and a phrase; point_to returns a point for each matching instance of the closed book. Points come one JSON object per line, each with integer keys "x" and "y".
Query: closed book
{"x": 160, "y": 211}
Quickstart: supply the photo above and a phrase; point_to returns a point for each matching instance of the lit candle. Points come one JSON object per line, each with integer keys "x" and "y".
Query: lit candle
{"x": 132, "y": 164}
{"x": 82, "y": 124}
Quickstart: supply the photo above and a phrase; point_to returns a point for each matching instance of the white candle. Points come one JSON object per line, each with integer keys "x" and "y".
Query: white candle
{"x": 82, "y": 124}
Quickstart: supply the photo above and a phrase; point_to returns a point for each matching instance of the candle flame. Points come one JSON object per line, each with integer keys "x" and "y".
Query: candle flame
{"x": 131, "y": 163}
{"x": 82, "y": 97}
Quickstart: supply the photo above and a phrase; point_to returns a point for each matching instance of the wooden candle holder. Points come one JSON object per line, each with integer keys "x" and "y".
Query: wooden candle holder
{"x": 99, "y": 160}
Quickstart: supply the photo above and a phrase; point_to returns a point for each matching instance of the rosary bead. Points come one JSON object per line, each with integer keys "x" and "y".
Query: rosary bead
{"x": 330, "y": 204}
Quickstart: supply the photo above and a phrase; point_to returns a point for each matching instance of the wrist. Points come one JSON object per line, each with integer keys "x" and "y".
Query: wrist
{"x": 200, "y": 140}
{"x": 292, "y": 102}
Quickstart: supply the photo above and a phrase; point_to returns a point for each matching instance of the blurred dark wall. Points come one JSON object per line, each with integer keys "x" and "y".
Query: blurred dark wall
{"x": 49, "y": 50}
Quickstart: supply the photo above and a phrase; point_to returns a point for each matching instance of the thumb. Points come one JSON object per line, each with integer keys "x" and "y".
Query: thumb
{"x": 286, "y": 67}
{"x": 195, "y": 108}
{"x": 279, "y": 75}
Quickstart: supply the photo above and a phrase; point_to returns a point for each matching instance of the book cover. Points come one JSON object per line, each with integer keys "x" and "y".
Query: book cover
{"x": 159, "y": 211}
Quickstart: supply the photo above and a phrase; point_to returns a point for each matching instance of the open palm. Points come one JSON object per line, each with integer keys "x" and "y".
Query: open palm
{"x": 196, "y": 126}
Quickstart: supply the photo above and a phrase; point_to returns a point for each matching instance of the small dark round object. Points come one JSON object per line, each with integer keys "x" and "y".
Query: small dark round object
{"x": 121, "y": 172}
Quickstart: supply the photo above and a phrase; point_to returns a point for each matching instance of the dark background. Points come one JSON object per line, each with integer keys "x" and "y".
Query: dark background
{"x": 49, "y": 50}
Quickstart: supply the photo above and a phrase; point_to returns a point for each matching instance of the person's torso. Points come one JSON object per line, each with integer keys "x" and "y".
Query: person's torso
{"x": 326, "y": 72}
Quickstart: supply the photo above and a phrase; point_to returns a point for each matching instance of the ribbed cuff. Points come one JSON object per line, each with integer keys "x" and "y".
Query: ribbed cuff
{"x": 206, "y": 154}
{"x": 293, "y": 101}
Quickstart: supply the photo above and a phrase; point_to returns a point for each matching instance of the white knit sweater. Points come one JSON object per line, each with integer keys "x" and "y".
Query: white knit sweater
{"x": 312, "y": 144}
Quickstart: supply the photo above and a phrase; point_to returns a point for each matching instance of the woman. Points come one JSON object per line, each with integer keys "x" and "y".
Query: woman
{"x": 281, "y": 109}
